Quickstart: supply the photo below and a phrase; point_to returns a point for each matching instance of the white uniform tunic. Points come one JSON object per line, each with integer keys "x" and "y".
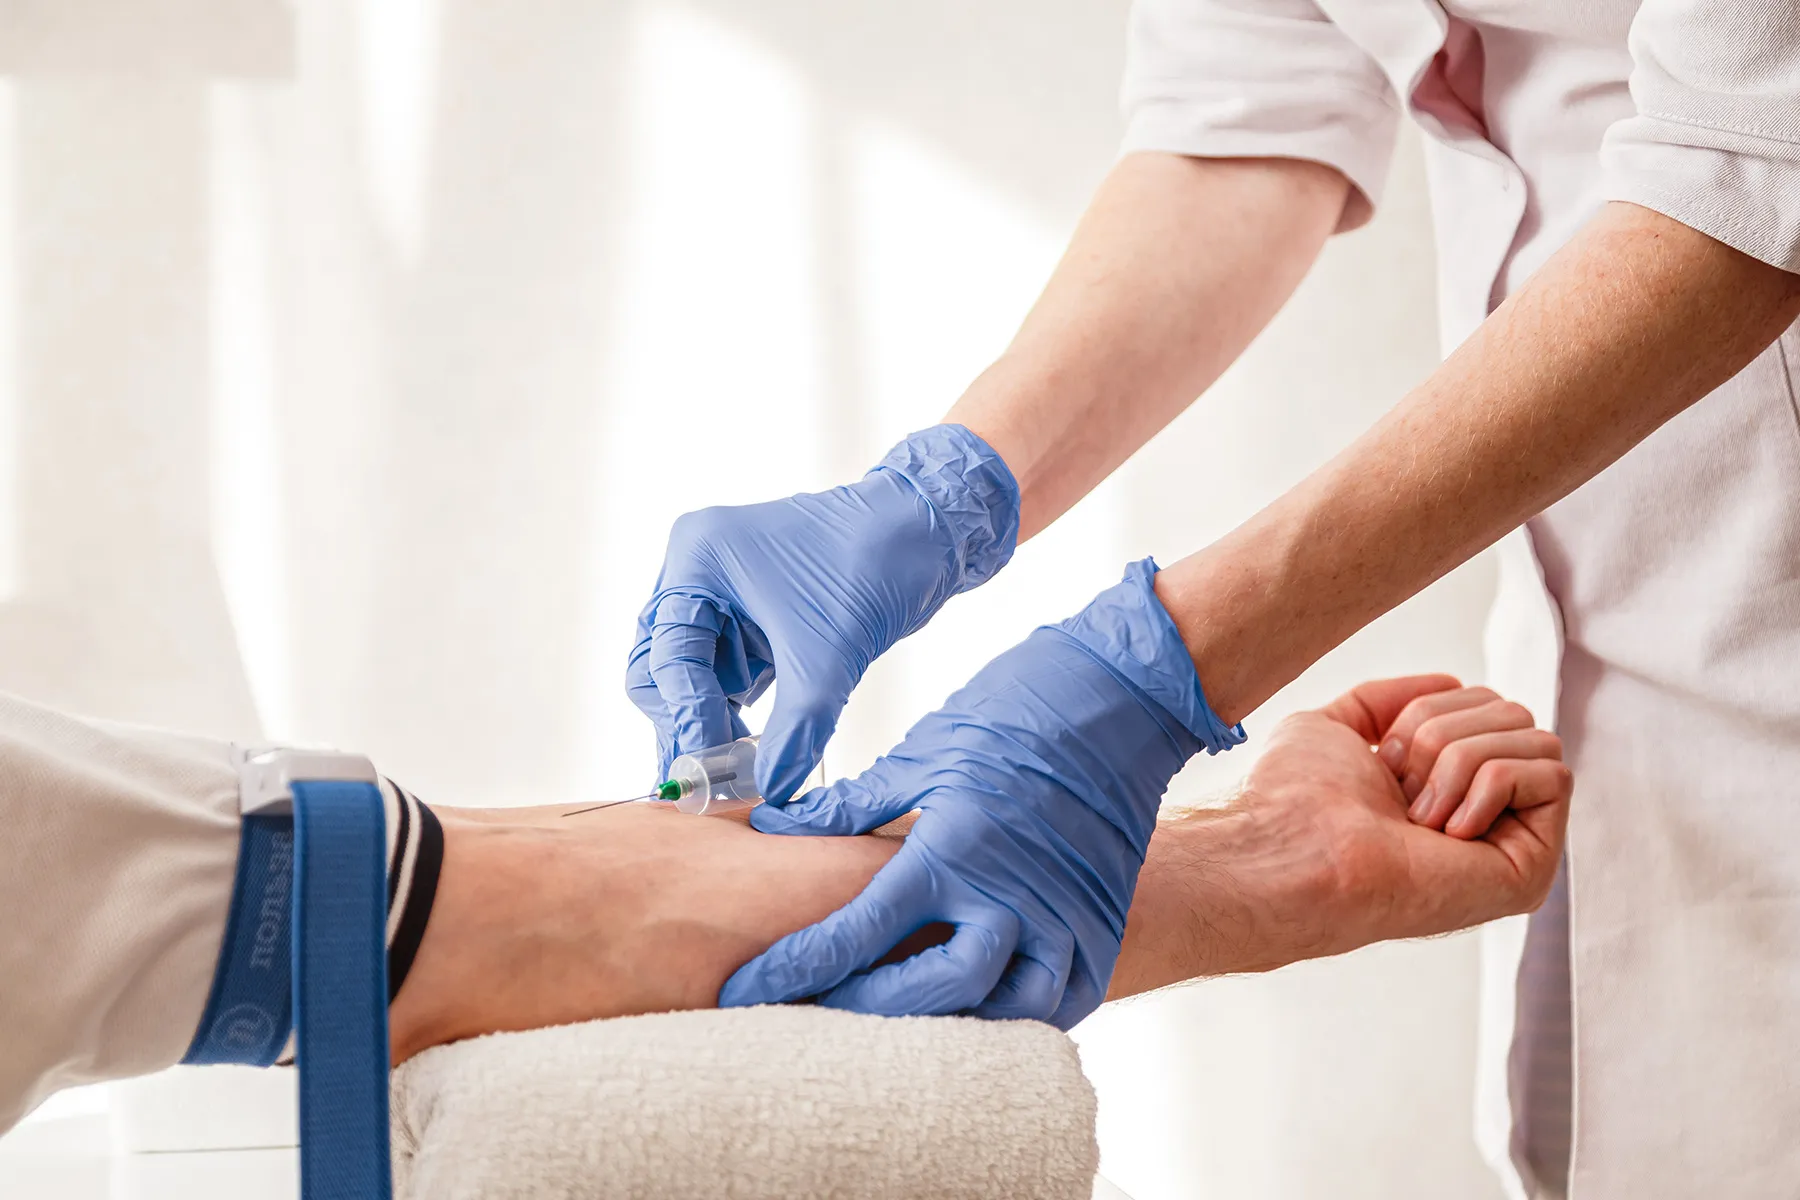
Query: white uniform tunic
{"x": 113, "y": 898}
{"x": 115, "y": 886}
{"x": 1675, "y": 575}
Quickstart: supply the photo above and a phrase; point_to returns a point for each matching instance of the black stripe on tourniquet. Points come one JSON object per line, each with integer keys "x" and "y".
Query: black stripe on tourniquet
{"x": 419, "y": 897}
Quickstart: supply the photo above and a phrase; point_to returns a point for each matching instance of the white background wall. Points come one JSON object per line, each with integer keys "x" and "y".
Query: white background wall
{"x": 345, "y": 349}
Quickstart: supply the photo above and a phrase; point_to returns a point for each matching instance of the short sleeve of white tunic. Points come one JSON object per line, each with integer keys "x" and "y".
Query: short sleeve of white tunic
{"x": 1259, "y": 79}
{"x": 1715, "y": 143}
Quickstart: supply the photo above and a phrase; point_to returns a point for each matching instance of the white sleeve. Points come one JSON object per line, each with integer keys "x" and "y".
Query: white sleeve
{"x": 1715, "y": 143}
{"x": 116, "y": 869}
{"x": 1259, "y": 79}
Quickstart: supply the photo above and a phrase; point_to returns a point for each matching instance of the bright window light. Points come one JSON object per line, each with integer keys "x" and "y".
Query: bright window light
{"x": 398, "y": 40}
{"x": 246, "y": 474}
{"x": 713, "y": 389}
{"x": 947, "y": 266}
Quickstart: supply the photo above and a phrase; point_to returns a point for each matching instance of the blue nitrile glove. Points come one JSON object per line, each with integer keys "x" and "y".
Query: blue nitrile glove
{"x": 812, "y": 589}
{"x": 1037, "y": 787}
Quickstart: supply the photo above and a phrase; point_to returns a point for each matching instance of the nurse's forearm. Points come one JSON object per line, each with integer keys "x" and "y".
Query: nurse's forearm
{"x": 1177, "y": 265}
{"x": 1635, "y": 319}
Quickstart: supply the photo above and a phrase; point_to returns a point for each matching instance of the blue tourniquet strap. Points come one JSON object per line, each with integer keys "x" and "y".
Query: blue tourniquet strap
{"x": 249, "y": 1013}
{"x": 340, "y": 990}
{"x": 305, "y": 948}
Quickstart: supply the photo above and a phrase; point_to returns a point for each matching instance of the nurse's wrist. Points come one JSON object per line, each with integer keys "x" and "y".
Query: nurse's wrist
{"x": 1128, "y": 628}
{"x": 1009, "y": 407}
{"x": 1241, "y": 610}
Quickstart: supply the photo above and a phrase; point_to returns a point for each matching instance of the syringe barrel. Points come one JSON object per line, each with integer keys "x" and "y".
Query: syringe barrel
{"x": 717, "y": 780}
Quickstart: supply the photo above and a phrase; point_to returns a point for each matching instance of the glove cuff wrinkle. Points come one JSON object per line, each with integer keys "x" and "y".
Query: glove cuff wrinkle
{"x": 1130, "y": 630}
{"x": 971, "y": 488}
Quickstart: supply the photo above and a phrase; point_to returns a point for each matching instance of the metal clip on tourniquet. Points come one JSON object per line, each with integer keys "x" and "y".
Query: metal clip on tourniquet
{"x": 305, "y": 948}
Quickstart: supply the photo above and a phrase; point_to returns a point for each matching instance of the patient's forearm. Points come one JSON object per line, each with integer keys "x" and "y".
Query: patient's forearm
{"x": 542, "y": 919}
{"x": 1221, "y": 893}
{"x": 1218, "y": 896}
{"x": 545, "y": 920}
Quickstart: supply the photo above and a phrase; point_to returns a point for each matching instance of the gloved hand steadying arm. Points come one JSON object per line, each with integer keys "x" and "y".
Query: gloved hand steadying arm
{"x": 1037, "y": 787}
{"x": 811, "y": 590}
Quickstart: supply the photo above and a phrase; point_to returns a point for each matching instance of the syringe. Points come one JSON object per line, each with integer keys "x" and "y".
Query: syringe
{"x": 717, "y": 780}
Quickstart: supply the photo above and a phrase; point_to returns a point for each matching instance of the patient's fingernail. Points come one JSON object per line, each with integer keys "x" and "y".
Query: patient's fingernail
{"x": 1421, "y": 806}
{"x": 1392, "y": 754}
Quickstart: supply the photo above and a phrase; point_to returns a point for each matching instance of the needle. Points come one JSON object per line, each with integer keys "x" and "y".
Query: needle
{"x": 610, "y": 804}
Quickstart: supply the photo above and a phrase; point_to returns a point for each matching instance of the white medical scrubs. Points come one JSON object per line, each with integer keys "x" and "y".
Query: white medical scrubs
{"x": 1642, "y": 1039}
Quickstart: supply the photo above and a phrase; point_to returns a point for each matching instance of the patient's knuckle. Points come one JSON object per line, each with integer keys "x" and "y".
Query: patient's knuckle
{"x": 1429, "y": 742}
{"x": 1514, "y": 713}
{"x": 1458, "y": 761}
{"x": 1492, "y": 773}
{"x": 1415, "y": 714}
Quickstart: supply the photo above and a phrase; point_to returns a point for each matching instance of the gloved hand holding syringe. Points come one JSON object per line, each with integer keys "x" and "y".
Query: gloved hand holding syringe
{"x": 716, "y": 780}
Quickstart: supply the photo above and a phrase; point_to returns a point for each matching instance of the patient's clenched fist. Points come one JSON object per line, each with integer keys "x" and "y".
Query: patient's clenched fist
{"x": 1465, "y": 817}
{"x": 1464, "y": 756}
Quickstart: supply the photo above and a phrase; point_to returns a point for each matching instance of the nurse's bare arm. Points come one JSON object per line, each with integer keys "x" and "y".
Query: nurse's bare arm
{"x": 1635, "y": 319}
{"x": 1178, "y": 263}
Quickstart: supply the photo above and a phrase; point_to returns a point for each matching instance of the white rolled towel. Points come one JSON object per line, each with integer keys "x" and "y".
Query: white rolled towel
{"x": 749, "y": 1103}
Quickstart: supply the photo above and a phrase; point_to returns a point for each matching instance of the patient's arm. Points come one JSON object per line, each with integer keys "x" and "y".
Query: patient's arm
{"x": 542, "y": 919}
{"x": 1316, "y": 855}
